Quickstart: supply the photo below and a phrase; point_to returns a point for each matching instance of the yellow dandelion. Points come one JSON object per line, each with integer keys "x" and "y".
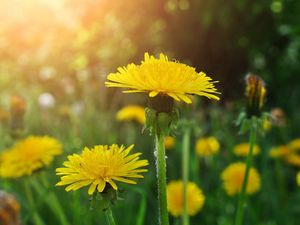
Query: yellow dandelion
{"x": 169, "y": 142}
{"x": 279, "y": 151}
{"x": 295, "y": 144}
{"x": 293, "y": 159}
{"x": 28, "y": 156}
{"x": 243, "y": 149}
{"x": 195, "y": 198}
{"x": 207, "y": 146}
{"x": 233, "y": 177}
{"x": 100, "y": 166}
{"x": 132, "y": 112}
{"x": 161, "y": 76}
{"x": 298, "y": 178}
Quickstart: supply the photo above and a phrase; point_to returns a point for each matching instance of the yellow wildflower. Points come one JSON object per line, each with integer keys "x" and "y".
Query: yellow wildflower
{"x": 279, "y": 151}
{"x": 28, "y": 156}
{"x": 293, "y": 159}
{"x": 195, "y": 198}
{"x": 298, "y": 178}
{"x": 161, "y": 76}
{"x": 233, "y": 177}
{"x": 131, "y": 112}
{"x": 100, "y": 166}
{"x": 295, "y": 144}
{"x": 243, "y": 149}
{"x": 169, "y": 142}
{"x": 207, "y": 146}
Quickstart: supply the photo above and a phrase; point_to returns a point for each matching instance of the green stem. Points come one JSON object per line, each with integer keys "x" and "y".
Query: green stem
{"x": 242, "y": 195}
{"x": 185, "y": 174}
{"x": 161, "y": 171}
{"x": 109, "y": 216}
{"x": 36, "y": 218}
{"x": 53, "y": 201}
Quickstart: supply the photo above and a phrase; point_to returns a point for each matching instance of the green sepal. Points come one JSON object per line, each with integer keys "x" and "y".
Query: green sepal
{"x": 102, "y": 201}
{"x": 160, "y": 122}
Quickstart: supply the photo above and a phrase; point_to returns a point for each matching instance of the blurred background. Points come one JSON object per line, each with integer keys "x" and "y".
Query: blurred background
{"x": 56, "y": 55}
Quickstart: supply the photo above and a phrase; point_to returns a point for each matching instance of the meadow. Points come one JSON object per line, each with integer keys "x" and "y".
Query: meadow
{"x": 208, "y": 133}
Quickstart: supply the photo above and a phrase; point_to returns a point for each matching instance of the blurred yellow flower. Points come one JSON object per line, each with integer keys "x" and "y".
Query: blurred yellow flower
{"x": 195, "y": 198}
{"x": 295, "y": 144}
{"x": 243, "y": 149}
{"x": 169, "y": 142}
{"x": 100, "y": 166}
{"x": 298, "y": 178}
{"x": 28, "y": 156}
{"x": 293, "y": 159}
{"x": 279, "y": 151}
{"x": 161, "y": 76}
{"x": 207, "y": 146}
{"x": 132, "y": 112}
{"x": 233, "y": 176}
{"x": 267, "y": 124}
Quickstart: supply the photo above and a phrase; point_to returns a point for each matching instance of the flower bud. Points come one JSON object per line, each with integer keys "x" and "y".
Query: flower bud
{"x": 255, "y": 93}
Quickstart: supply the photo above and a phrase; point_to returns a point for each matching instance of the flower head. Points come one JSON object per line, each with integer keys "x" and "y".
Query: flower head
{"x": 295, "y": 144}
{"x": 169, "y": 142}
{"x": 100, "y": 166}
{"x": 280, "y": 151}
{"x": 243, "y": 149}
{"x": 131, "y": 112}
{"x": 298, "y": 178}
{"x": 233, "y": 177}
{"x": 293, "y": 159}
{"x": 28, "y": 156}
{"x": 159, "y": 76}
{"x": 255, "y": 93}
{"x": 195, "y": 198}
{"x": 207, "y": 146}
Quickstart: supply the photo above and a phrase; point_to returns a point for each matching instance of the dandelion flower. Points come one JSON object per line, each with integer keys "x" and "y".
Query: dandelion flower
{"x": 233, "y": 177}
{"x": 279, "y": 151}
{"x": 298, "y": 178}
{"x": 28, "y": 156}
{"x": 195, "y": 198}
{"x": 169, "y": 142}
{"x": 293, "y": 159}
{"x": 100, "y": 166}
{"x": 159, "y": 76}
{"x": 207, "y": 146}
{"x": 295, "y": 144}
{"x": 132, "y": 112}
{"x": 243, "y": 149}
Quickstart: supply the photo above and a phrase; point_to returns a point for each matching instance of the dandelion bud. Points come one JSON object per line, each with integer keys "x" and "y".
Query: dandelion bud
{"x": 9, "y": 209}
{"x": 255, "y": 93}
{"x": 18, "y": 107}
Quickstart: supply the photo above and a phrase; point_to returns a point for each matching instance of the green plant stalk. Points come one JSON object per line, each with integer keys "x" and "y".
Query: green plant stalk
{"x": 53, "y": 202}
{"x": 36, "y": 218}
{"x": 185, "y": 174}
{"x": 161, "y": 171}
{"x": 109, "y": 216}
{"x": 242, "y": 195}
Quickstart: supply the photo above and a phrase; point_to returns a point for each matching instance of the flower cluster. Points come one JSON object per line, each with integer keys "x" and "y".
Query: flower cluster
{"x": 290, "y": 153}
